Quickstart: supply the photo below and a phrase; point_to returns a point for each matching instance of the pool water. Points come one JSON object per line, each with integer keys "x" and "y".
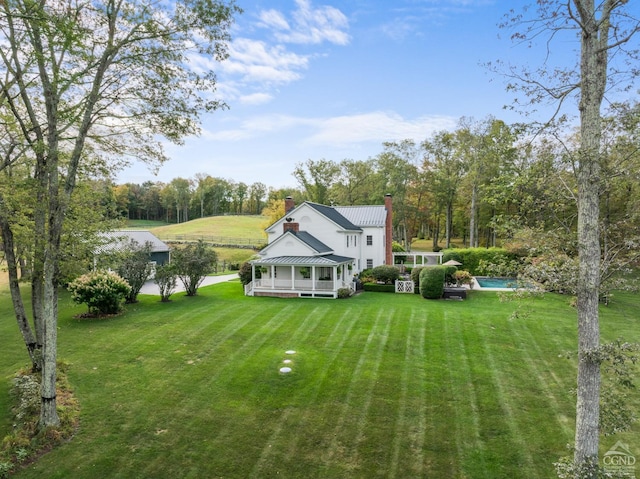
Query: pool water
{"x": 497, "y": 282}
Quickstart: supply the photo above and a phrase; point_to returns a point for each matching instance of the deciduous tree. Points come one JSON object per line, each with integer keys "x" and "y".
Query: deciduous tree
{"x": 604, "y": 29}
{"x": 108, "y": 76}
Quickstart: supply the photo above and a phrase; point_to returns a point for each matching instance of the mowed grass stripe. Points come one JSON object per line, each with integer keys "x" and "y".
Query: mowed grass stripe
{"x": 546, "y": 394}
{"x": 276, "y": 444}
{"x": 403, "y": 435}
{"x": 504, "y": 393}
{"x": 339, "y": 448}
{"x": 283, "y": 444}
{"x": 466, "y": 414}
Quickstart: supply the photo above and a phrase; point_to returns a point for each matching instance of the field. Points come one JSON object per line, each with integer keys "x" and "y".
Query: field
{"x": 228, "y": 226}
{"x": 382, "y": 385}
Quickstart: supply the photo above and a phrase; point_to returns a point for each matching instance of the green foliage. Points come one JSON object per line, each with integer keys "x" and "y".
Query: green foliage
{"x": 449, "y": 272}
{"x": 432, "y": 282}
{"x": 344, "y": 293}
{"x": 25, "y": 392}
{"x": 103, "y": 292}
{"x": 192, "y": 263}
{"x": 166, "y": 279}
{"x": 386, "y": 274}
{"x": 379, "y": 288}
{"x": 26, "y": 441}
{"x": 398, "y": 248}
{"x": 134, "y": 267}
{"x": 415, "y": 277}
{"x": 462, "y": 278}
{"x": 246, "y": 273}
{"x": 478, "y": 261}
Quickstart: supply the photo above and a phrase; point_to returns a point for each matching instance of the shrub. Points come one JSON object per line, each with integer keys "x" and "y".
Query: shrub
{"x": 344, "y": 293}
{"x": 103, "y": 292}
{"x": 192, "y": 263}
{"x": 432, "y": 282}
{"x": 448, "y": 274}
{"x": 415, "y": 277}
{"x": 26, "y": 395}
{"x": 166, "y": 279}
{"x": 462, "y": 277}
{"x": 134, "y": 267}
{"x": 379, "y": 288}
{"x": 386, "y": 274}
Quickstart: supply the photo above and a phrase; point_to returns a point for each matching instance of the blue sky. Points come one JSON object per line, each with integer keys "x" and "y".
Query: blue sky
{"x": 333, "y": 79}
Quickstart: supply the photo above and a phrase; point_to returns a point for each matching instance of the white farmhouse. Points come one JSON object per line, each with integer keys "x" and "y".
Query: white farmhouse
{"x": 314, "y": 250}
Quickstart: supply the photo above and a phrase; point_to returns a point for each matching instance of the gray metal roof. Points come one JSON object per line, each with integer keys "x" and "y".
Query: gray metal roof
{"x": 118, "y": 240}
{"x": 333, "y": 214}
{"x": 326, "y": 260}
{"x": 312, "y": 241}
{"x": 364, "y": 215}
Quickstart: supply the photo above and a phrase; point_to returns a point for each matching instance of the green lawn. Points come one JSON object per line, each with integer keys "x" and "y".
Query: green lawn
{"x": 383, "y": 385}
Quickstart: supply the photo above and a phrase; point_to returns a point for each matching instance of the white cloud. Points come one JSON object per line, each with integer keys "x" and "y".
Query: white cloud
{"x": 338, "y": 132}
{"x": 311, "y": 25}
{"x": 273, "y": 19}
{"x": 377, "y": 126}
{"x": 255, "y": 61}
{"x": 256, "y": 98}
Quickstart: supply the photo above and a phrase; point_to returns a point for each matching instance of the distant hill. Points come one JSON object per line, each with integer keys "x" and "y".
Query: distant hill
{"x": 241, "y": 227}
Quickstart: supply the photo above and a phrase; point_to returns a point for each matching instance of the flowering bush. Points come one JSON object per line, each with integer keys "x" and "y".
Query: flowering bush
{"x": 102, "y": 291}
{"x": 462, "y": 277}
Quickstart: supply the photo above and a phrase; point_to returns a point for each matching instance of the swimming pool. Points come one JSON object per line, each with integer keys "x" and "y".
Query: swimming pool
{"x": 507, "y": 283}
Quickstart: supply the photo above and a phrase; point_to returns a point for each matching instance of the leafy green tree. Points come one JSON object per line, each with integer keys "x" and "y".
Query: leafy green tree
{"x": 257, "y": 195}
{"x": 356, "y": 184}
{"x": 78, "y": 79}
{"x": 192, "y": 263}
{"x": 134, "y": 267}
{"x": 607, "y": 31}
{"x": 445, "y": 169}
{"x": 398, "y": 170}
{"x": 317, "y": 178}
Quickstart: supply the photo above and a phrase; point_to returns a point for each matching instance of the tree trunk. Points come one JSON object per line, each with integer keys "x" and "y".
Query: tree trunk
{"x": 33, "y": 348}
{"x": 593, "y": 68}
{"x": 447, "y": 226}
{"x": 473, "y": 227}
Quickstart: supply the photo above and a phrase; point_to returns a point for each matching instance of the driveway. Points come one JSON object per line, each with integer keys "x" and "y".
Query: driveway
{"x": 151, "y": 287}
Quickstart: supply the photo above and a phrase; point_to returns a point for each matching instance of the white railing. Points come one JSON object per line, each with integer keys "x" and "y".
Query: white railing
{"x": 297, "y": 285}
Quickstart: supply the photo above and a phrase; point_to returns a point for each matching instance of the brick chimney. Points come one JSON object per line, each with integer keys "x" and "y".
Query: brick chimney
{"x": 289, "y": 204}
{"x": 290, "y": 226}
{"x": 388, "y": 230}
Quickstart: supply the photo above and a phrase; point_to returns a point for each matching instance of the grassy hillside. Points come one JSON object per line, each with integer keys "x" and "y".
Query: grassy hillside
{"x": 383, "y": 385}
{"x": 248, "y": 227}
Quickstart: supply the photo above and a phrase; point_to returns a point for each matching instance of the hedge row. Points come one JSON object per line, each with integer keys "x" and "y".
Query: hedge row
{"x": 471, "y": 258}
{"x": 380, "y": 288}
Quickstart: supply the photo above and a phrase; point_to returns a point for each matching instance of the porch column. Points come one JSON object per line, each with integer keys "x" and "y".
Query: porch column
{"x": 335, "y": 277}
{"x": 273, "y": 277}
{"x": 293, "y": 277}
{"x": 313, "y": 278}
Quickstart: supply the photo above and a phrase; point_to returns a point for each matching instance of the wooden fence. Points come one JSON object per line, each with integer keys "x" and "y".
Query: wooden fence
{"x": 220, "y": 241}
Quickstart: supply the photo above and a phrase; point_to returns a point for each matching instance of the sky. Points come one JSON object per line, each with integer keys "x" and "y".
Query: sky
{"x": 334, "y": 79}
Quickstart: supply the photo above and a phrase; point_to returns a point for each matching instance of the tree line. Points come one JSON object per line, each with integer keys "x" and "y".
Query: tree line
{"x": 483, "y": 182}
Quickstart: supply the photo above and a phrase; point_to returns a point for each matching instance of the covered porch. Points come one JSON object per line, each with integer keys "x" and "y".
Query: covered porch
{"x": 301, "y": 276}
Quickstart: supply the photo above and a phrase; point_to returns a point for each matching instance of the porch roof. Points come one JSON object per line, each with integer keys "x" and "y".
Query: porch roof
{"x": 326, "y": 260}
